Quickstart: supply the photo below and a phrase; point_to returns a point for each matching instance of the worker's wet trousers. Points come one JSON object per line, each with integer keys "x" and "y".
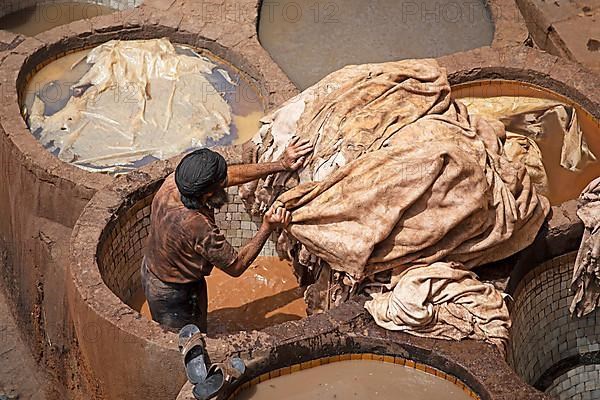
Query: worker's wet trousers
{"x": 175, "y": 304}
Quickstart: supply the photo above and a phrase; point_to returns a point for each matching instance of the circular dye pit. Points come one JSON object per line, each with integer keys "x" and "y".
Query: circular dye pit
{"x": 517, "y": 104}
{"x": 42, "y": 17}
{"x": 312, "y": 39}
{"x": 356, "y": 379}
{"x": 549, "y": 349}
{"x": 266, "y": 294}
{"x": 104, "y": 110}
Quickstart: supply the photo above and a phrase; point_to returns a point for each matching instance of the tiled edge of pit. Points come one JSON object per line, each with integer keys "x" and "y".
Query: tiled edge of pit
{"x": 390, "y": 359}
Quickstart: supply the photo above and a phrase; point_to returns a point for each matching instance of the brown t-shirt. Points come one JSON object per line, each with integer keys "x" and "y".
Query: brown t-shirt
{"x": 183, "y": 245}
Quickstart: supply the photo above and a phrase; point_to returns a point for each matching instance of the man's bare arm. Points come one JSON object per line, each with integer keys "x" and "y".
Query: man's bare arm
{"x": 291, "y": 160}
{"x": 247, "y": 254}
{"x": 244, "y": 173}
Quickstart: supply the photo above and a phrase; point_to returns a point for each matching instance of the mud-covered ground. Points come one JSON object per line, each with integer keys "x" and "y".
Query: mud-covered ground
{"x": 20, "y": 377}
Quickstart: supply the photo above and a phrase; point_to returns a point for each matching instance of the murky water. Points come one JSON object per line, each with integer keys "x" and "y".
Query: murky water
{"x": 356, "y": 379}
{"x": 310, "y": 39}
{"x": 53, "y": 85}
{"x": 563, "y": 184}
{"x": 266, "y": 294}
{"x": 33, "y": 20}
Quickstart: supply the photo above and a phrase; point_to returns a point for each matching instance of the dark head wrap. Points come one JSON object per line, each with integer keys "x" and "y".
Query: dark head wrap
{"x": 198, "y": 173}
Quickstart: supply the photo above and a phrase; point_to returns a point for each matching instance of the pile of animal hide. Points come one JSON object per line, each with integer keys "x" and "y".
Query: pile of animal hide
{"x": 586, "y": 274}
{"x": 403, "y": 183}
{"x": 533, "y": 118}
{"x": 140, "y": 98}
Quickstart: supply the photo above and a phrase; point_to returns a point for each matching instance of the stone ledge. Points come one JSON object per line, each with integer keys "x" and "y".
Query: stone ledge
{"x": 563, "y": 28}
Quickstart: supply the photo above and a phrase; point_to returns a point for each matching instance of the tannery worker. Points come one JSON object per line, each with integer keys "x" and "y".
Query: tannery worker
{"x": 184, "y": 243}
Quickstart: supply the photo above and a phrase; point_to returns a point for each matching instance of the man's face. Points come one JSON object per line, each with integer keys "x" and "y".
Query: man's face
{"x": 218, "y": 198}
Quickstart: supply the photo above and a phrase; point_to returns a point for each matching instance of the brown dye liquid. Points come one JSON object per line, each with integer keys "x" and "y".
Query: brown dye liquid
{"x": 266, "y": 294}
{"x": 33, "y": 20}
{"x": 356, "y": 379}
{"x": 53, "y": 84}
{"x": 247, "y": 125}
{"x": 563, "y": 184}
{"x": 138, "y": 302}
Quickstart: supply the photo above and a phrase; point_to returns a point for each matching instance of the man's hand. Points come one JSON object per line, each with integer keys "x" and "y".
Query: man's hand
{"x": 293, "y": 156}
{"x": 277, "y": 218}
{"x": 274, "y": 218}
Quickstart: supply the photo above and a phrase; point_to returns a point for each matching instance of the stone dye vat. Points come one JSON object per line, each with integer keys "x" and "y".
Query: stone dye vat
{"x": 266, "y": 294}
{"x": 41, "y": 17}
{"x": 549, "y": 349}
{"x": 360, "y": 379}
{"x": 309, "y": 40}
{"x": 514, "y": 103}
{"x": 103, "y": 110}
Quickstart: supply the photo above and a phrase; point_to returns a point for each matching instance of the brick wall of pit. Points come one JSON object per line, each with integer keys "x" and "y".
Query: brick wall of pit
{"x": 544, "y": 335}
{"x": 579, "y": 383}
{"x": 239, "y": 226}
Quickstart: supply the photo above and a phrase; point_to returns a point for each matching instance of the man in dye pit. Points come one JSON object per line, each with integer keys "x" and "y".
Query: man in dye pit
{"x": 184, "y": 243}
